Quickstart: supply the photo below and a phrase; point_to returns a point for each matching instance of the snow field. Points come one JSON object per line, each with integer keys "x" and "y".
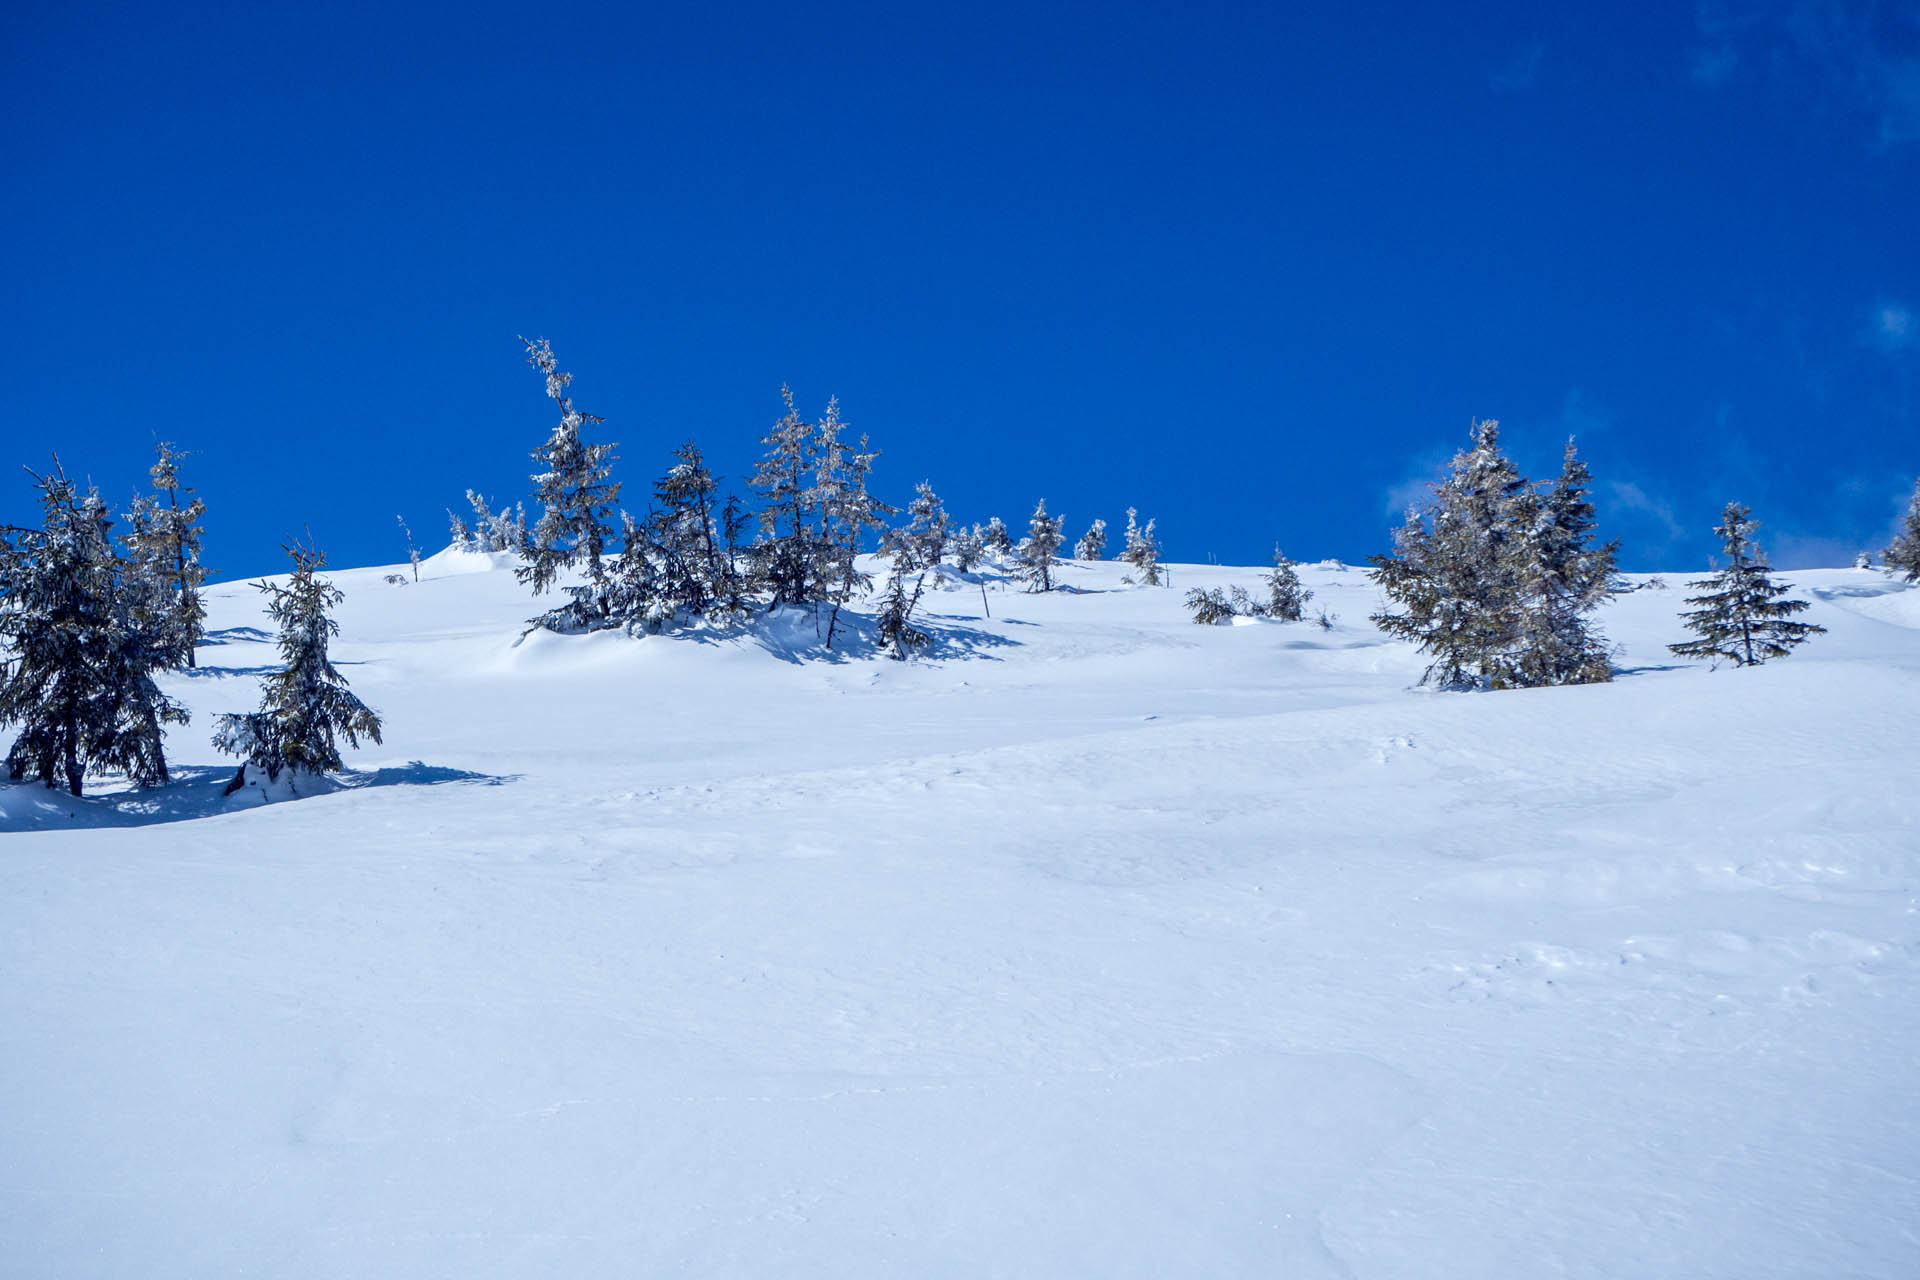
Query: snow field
{"x": 1103, "y": 944}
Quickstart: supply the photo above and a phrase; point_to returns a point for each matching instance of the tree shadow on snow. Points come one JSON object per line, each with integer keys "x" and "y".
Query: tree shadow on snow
{"x": 196, "y": 791}
{"x": 797, "y": 636}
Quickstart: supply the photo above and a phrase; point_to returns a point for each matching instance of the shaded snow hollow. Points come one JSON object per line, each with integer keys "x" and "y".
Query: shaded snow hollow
{"x": 1104, "y": 944}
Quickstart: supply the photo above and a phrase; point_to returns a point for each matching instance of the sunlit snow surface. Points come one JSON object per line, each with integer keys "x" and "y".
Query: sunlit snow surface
{"x": 1100, "y": 944}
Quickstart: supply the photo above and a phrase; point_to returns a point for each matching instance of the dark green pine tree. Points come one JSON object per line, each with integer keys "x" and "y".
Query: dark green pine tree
{"x": 1903, "y": 554}
{"x": 1562, "y": 576}
{"x": 1741, "y": 616}
{"x": 575, "y": 489}
{"x": 305, "y": 706}
{"x": 78, "y": 619}
{"x": 1453, "y": 573}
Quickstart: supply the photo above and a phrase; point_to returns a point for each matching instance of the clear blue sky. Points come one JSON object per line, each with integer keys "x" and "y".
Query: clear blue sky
{"x": 1251, "y": 268}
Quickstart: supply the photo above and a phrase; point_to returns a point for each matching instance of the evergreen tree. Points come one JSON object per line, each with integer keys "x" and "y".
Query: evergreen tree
{"x": 1093, "y": 543}
{"x": 86, "y": 639}
{"x": 1141, "y": 550}
{"x": 784, "y": 556}
{"x": 305, "y": 707}
{"x": 1561, "y": 575}
{"x": 967, "y": 549}
{"x": 683, "y": 534}
{"x": 1039, "y": 551}
{"x": 1455, "y": 576}
{"x": 995, "y": 538}
{"x": 847, "y": 513}
{"x": 492, "y": 530}
{"x": 1286, "y": 597}
{"x": 923, "y": 541}
{"x": 1741, "y": 616}
{"x": 1903, "y": 554}
{"x": 575, "y": 489}
{"x": 173, "y": 553}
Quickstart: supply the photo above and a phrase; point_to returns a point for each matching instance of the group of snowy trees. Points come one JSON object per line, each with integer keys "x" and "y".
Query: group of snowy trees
{"x": 1286, "y": 598}
{"x": 88, "y": 621}
{"x": 695, "y": 559}
{"x": 1496, "y": 577}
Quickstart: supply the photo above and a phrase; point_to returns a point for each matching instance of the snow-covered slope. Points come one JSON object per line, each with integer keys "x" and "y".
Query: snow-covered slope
{"x": 1102, "y": 944}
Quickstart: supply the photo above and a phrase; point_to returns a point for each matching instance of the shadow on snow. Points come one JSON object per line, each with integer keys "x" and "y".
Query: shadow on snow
{"x": 196, "y": 791}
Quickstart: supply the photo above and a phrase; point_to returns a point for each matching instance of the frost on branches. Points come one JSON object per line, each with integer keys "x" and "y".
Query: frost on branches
{"x": 1040, "y": 550}
{"x": 86, "y": 628}
{"x": 1142, "y": 551}
{"x": 576, "y": 493}
{"x": 1741, "y": 616}
{"x": 305, "y": 707}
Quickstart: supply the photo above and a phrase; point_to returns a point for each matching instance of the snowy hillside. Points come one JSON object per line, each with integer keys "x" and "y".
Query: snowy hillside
{"x": 1099, "y": 944}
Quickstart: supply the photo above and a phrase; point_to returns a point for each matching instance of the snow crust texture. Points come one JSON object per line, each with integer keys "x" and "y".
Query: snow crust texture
{"x": 1100, "y": 944}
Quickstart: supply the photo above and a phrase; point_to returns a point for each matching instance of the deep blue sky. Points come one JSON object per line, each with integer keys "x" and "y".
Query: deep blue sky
{"x": 1252, "y": 268}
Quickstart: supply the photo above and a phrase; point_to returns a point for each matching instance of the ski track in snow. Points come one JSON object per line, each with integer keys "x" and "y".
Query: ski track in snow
{"x": 1101, "y": 945}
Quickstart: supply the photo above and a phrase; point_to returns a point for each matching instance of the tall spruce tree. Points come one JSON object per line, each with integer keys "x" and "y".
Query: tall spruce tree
{"x": 86, "y": 639}
{"x": 174, "y": 554}
{"x": 1741, "y": 616}
{"x": 785, "y": 556}
{"x": 1141, "y": 549}
{"x": 1455, "y": 574}
{"x": 575, "y": 490}
{"x": 305, "y": 706}
{"x": 924, "y": 538}
{"x": 848, "y": 512}
{"x": 1903, "y": 553}
{"x": 683, "y": 533}
{"x": 1562, "y": 575}
{"x": 1040, "y": 549}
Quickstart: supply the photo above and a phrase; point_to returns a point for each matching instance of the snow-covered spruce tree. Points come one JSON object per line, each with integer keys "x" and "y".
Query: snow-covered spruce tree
{"x": 1141, "y": 550}
{"x": 1562, "y": 575}
{"x": 847, "y": 513}
{"x": 1741, "y": 616}
{"x": 732, "y": 590}
{"x": 173, "y": 552}
{"x": 785, "y": 556}
{"x": 1040, "y": 549}
{"x": 1093, "y": 543}
{"x": 683, "y": 535}
{"x": 492, "y": 530}
{"x": 967, "y": 548}
{"x": 995, "y": 538}
{"x": 1209, "y": 606}
{"x": 1454, "y": 575}
{"x": 924, "y": 538}
{"x": 1286, "y": 597}
{"x": 576, "y": 493}
{"x": 85, "y": 641}
{"x": 305, "y": 707}
{"x": 1903, "y": 553}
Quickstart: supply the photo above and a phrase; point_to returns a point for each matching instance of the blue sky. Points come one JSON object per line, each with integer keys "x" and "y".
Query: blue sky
{"x": 1251, "y": 268}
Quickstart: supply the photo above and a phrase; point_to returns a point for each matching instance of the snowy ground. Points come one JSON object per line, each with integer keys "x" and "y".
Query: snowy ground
{"x": 1104, "y": 944}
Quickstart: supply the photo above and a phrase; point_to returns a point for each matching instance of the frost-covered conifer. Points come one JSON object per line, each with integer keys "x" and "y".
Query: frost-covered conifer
{"x": 1561, "y": 575}
{"x": 85, "y": 640}
{"x": 923, "y": 540}
{"x": 684, "y": 536}
{"x": 1286, "y": 597}
{"x": 848, "y": 512}
{"x": 503, "y": 530}
{"x": 1903, "y": 553}
{"x": 894, "y": 625}
{"x": 1209, "y": 606}
{"x": 575, "y": 489}
{"x": 305, "y": 707}
{"x": 175, "y": 552}
{"x": 995, "y": 538}
{"x": 1141, "y": 550}
{"x": 1454, "y": 575}
{"x": 1093, "y": 543}
{"x": 1741, "y": 616}
{"x": 1040, "y": 549}
{"x": 785, "y": 556}
{"x": 967, "y": 548}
